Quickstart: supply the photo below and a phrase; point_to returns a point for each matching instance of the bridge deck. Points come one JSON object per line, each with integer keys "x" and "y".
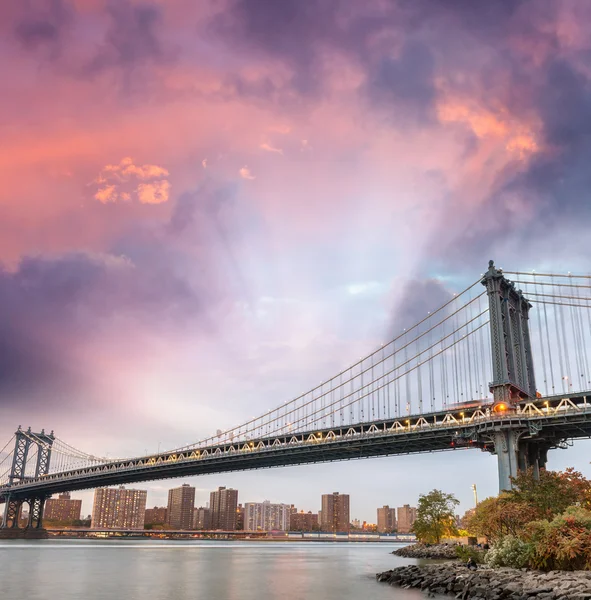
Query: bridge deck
{"x": 561, "y": 417}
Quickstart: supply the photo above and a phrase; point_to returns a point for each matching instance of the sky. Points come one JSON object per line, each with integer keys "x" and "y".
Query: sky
{"x": 208, "y": 207}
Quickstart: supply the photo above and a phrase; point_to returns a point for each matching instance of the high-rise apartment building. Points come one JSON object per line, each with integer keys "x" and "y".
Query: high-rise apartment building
{"x": 223, "y": 504}
{"x": 335, "y": 512}
{"x": 302, "y": 521}
{"x": 240, "y": 518}
{"x": 264, "y": 516}
{"x": 181, "y": 502}
{"x": 62, "y": 508}
{"x": 118, "y": 508}
{"x": 386, "y": 519}
{"x": 156, "y": 516}
{"x": 202, "y": 518}
{"x": 406, "y": 517}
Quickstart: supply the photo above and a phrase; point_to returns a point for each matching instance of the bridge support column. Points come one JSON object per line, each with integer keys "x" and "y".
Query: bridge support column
{"x": 518, "y": 453}
{"x": 12, "y": 511}
{"x": 36, "y": 507}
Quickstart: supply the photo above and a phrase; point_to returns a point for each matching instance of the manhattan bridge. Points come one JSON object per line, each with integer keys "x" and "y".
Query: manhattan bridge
{"x": 502, "y": 366}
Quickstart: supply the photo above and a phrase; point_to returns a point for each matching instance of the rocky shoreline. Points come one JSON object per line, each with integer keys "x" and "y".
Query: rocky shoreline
{"x": 491, "y": 584}
{"x": 442, "y": 551}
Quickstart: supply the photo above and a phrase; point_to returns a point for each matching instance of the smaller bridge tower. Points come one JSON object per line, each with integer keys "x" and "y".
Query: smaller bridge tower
{"x": 25, "y": 441}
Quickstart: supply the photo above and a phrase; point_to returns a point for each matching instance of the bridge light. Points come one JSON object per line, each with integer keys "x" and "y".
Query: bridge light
{"x": 502, "y": 407}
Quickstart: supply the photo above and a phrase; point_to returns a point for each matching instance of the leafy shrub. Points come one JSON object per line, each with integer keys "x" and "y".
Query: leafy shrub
{"x": 467, "y": 552}
{"x": 509, "y": 552}
{"x": 563, "y": 543}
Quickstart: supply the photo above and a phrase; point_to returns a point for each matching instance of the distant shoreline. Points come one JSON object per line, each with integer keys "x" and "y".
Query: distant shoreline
{"x": 227, "y": 536}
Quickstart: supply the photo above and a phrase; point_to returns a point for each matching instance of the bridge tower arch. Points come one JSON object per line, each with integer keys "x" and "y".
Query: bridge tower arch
{"x": 513, "y": 369}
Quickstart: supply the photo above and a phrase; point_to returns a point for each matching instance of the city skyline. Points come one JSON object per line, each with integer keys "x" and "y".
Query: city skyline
{"x": 182, "y": 498}
{"x": 314, "y": 185}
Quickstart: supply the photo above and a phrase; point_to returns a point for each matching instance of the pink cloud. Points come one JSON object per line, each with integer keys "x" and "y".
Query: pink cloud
{"x": 245, "y": 173}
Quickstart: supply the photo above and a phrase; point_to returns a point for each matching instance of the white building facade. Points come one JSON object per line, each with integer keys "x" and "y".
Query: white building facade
{"x": 264, "y": 516}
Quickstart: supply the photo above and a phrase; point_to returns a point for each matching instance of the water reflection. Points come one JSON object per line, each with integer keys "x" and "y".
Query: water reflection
{"x": 161, "y": 570}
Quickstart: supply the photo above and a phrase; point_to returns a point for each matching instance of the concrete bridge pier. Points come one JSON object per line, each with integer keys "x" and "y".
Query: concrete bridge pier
{"x": 517, "y": 451}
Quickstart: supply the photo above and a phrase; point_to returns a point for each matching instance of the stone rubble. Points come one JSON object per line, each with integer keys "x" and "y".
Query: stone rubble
{"x": 491, "y": 584}
{"x": 419, "y": 550}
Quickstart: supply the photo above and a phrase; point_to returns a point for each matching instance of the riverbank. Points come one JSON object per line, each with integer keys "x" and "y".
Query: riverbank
{"x": 491, "y": 584}
{"x": 438, "y": 551}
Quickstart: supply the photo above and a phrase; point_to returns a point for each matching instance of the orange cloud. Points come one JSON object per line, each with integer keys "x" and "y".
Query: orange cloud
{"x": 106, "y": 194}
{"x": 519, "y": 137}
{"x": 118, "y": 183}
{"x": 153, "y": 193}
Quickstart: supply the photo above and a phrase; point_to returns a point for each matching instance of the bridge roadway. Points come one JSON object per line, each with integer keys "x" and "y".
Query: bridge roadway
{"x": 554, "y": 419}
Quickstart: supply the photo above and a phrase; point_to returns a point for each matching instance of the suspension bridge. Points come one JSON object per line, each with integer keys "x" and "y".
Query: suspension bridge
{"x": 502, "y": 366}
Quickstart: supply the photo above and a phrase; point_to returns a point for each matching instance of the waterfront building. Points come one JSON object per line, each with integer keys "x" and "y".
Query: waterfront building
{"x": 302, "y": 521}
{"x": 118, "y": 508}
{"x": 335, "y": 512}
{"x": 156, "y": 516}
{"x": 223, "y": 504}
{"x": 264, "y": 516}
{"x": 386, "y": 519}
{"x": 181, "y": 502}
{"x": 406, "y": 517}
{"x": 202, "y": 518}
{"x": 62, "y": 509}
{"x": 240, "y": 518}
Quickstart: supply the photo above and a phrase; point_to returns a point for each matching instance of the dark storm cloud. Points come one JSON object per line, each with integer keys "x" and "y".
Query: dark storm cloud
{"x": 297, "y": 32}
{"x": 289, "y": 30}
{"x": 209, "y": 200}
{"x": 42, "y": 24}
{"x": 552, "y": 190}
{"x": 419, "y": 297}
{"x": 483, "y": 18}
{"x": 406, "y": 82}
{"x": 131, "y": 39}
{"x": 558, "y": 178}
{"x": 50, "y": 307}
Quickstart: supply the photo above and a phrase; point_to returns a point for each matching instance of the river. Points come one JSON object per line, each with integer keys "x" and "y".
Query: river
{"x": 164, "y": 570}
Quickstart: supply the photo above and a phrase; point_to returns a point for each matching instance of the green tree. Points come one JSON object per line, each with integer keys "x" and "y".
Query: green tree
{"x": 435, "y": 516}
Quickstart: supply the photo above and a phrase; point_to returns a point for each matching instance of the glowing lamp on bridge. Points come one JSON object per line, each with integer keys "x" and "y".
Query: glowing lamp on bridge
{"x": 501, "y": 407}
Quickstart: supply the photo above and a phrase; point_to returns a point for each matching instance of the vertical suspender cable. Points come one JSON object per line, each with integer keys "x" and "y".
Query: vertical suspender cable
{"x": 431, "y": 374}
{"x": 419, "y": 375}
{"x": 469, "y": 355}
{"x": 482, "y": 373}
{"x": 547, "y": 331}
{"x": 406, "y": 376}
{"x": 455, "y": 377}
{"x": 541, "y": 333}
{"x": 565, "y": 341}
{"x": 559, "y": 344}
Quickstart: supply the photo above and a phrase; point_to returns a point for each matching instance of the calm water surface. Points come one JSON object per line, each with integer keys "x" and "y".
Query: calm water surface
{"x": 162, "y": 570}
